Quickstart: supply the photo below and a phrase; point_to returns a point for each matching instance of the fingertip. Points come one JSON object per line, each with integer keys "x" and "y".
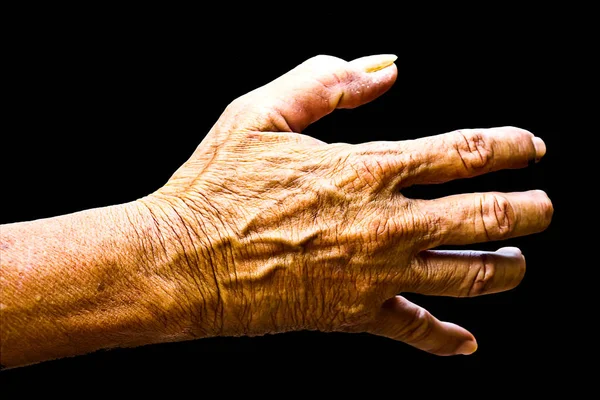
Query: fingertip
{"x": 467, "y": 347}
{"x": 459, "y": 340}
{"x": 371, "y": 79}
{"x": 540, "y": 148}
{"x": 546, "y": 207}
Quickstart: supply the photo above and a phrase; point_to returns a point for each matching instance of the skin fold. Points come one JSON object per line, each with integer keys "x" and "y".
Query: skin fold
{"x": 267, "y": 230}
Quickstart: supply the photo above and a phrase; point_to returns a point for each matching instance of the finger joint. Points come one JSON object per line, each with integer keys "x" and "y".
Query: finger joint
{"x": 497, "y": 216}
{"x": 485, "y": 271}
{"x": 474, "y": 150}
{"x": 419, "y": 328}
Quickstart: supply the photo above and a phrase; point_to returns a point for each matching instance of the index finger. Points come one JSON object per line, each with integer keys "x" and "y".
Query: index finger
{"x": 465, "y": 273}
{"x": 459, "y": 154}
{"x": 468, "y": 153}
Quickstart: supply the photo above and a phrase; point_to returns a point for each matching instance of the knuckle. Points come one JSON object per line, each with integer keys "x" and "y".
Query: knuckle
{"x": 485, "y": 272}
{"x": 429, "y": 225}
{"x": 370, "y": 171}
{"x": 362, "y": 175}
{"x": 356, "y": 315}
{"x": 328, "y": 71}
{"x": 383, "y": 230}
{"x": 240, "y": 103}
{"x": 323, "y": 59}
{"x": 419, "y": 328}
{"x": 497, "y": 216}
{"x": 239, "y": 112}
{"x": 474, "y": 148}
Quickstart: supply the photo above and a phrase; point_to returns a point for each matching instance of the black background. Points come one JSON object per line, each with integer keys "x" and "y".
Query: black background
{"x": 108, "y": 104}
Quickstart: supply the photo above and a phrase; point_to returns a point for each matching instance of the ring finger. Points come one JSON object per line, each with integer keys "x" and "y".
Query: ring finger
{"x": 465, "y": 273}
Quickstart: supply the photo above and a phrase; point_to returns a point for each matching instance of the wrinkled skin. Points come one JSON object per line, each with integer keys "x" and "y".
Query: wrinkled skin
{"x": 278, "y": 231}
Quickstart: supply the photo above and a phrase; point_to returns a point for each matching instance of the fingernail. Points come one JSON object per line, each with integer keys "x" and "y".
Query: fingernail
{"x": 540, "y": 148}
{"x": 374, "y": 63}
{"x": 510, "y": 251}
{"x": 467, "y": 347}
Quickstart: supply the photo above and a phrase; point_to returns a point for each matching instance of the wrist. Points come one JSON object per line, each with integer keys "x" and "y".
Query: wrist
{"x": 172, "y": 243}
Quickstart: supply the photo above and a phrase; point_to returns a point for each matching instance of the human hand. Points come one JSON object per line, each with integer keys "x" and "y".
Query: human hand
{"x": 269, "y": 230}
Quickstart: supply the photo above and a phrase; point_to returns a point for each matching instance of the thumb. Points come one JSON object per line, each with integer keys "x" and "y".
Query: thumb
{"x": 312, "y": 90}
{"x": 402, "y": 320}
